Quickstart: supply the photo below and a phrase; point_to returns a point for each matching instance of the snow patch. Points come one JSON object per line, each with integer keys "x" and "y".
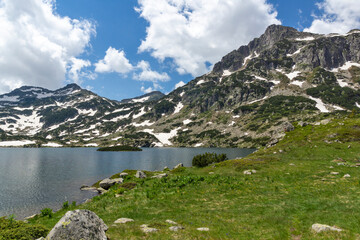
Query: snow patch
{"x": 258, "y": 100}
{"x": 187, "y": 121}
{"x": 51, "y": 144}
{"x": 298, "y": 83}
{"x": 163, "y": 137}
{"x": 342, "y": 83}
{"x": 226, "y": 73}
{"x": 198, "y": 145}
{"x": 91, "y": 145}
{"x": 200, "y": 82}
{"x": 305, "y": 39}
{"x": 9, "y": 98}
{"x": 145, "y": 123}
{"x": 231, "y": 124}
{"x": 16, "y": 143}
{"x": 293, "y": 75}
{"x": 260, "y": 78}
{"x": 140, "y": 100}
{"x": 178, "y": 107}
{"x": 319, "y": 104}
{"x": 296, "y": 52}
{"x": 346, "y": 66}
{"x": 182, "y": 94}
{"x": 142, "y": 112}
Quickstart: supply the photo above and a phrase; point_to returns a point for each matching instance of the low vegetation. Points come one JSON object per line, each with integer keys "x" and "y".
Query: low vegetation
{"x": 203, "y": 160}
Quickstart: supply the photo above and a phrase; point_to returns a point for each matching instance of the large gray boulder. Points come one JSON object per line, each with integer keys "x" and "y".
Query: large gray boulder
{"x": 79, "y": 224}
{"x": 107, "y": 183}
{"x": 140, "y": 174}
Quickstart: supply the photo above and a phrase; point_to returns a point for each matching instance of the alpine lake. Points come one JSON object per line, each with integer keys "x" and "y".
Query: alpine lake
{"x": 36, "y": 178}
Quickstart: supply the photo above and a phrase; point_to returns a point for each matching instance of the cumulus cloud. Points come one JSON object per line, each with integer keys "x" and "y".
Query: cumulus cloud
{"x": 114, "y": 61}
{"x": 75, "y": 73}
{"x": 196, "y": 32}
{"x": 179, "y": 84}
{"x": 339, "y": 16}
{"x": 147, "y": 74}
{"x": 37, "y": 45}
{"x": 155, "y": 87}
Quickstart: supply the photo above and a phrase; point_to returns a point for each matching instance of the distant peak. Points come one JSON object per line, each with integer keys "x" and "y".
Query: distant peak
{"x": 73, "y": 86}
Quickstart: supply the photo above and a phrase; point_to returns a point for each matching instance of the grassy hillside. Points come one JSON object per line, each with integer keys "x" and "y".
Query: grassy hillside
{"x": 292, "y": 189}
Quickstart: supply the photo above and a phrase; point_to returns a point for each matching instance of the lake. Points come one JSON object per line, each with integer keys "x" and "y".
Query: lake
{"x": 36, "y": 178}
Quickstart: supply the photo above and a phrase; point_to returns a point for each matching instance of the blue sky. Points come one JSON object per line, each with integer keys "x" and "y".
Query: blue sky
{"x": 124, "y": 48}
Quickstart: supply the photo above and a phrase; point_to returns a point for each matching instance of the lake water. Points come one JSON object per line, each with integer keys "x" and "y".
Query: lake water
{"x": 35, "y": 178}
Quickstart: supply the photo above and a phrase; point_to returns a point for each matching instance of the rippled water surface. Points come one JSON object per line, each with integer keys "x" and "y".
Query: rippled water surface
{"x": 35, "y": 178}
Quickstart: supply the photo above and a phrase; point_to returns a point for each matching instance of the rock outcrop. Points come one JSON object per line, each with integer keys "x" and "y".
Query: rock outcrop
{"x": 79, "y": 224}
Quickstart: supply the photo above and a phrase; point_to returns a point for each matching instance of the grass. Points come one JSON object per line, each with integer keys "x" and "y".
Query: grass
{"x": 291, "y": 190}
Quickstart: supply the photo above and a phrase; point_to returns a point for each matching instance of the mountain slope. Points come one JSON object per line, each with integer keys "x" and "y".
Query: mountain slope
{"x": 249, "y": 99}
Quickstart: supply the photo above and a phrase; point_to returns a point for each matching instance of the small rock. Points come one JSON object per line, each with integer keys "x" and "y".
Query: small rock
{"x": 347, "y": 176}
{"x": 171, "y": 222}
{"x": 118, "y": 195}
{"x": 292, "y": 164}
{"x": 349, "y": 146}
{"x": 176, "y": 228}
{"x": 30, "y": 217}
{"x": 322, "y": 228}
{"x": 123, "y": 174}
{"x": 124, "y": 220}
{"x": 166, "y": 169}
{"x": 88, "y": 200}
{"x": 162, "y": 175}
{"x": 357, "y": 164}
{"x": 79, "y": 224}
{"x": 249, "y": 172}
{"x": 42, "y": 238}
{"x": 281, "y": 151}
{"x": 87, "y": 188}
{"x": 101, "y": 190}
{"x": 203, "y": 229}
{"x": 334, "y": 173}
{"x": 179, "y": 166}
{"x": 107, "y": 183}
{"x": 211, "y": 173}
{"x": 147, "y": 229}
{"x": 140, "y": 174}
{"x": 331, "y": 167}
{"x": 302, "y": 124}
{"x": 341, "y": 164}
{"x": 118, "y": 180}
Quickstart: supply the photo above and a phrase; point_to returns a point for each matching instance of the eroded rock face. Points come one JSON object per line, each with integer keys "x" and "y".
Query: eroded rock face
{"x": 79, "y": 224}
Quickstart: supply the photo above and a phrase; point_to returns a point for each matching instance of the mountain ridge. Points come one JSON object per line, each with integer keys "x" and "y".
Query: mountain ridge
{"x": 249, "y": 99}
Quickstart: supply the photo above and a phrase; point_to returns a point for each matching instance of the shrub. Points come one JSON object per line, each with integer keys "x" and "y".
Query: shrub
{"x": 205, "y": 159}
{"x": 66, "y": 205}
{"x": 47, "y": 212}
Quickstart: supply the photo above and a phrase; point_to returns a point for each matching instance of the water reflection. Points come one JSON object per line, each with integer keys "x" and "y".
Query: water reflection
{"x": 32, "y": 178}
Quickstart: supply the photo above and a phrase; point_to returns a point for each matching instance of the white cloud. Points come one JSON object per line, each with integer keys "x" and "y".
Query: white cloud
{"x": 76, "y": 73}
{"x": 147, "y": 90}
{"x": 155, "y": 87}
{"x": 147, "y": 74}
{"x": 339, "y": 16}
{"x": 114, "y": 61}
{"x": 179, "y": 84}
{"x": 37, "y": 45}
{"x": 193, "y": 32}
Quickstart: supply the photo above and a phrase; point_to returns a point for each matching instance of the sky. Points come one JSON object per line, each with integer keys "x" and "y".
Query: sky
{"x": 125, "y": 48}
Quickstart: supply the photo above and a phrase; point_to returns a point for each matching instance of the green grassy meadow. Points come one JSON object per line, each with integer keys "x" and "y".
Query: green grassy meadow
{"x": 291, "y": 190}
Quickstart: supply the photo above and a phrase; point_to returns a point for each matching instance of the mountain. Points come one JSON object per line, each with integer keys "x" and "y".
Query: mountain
{"x": 153, "y": 96}
{"x": 249, "y": 99}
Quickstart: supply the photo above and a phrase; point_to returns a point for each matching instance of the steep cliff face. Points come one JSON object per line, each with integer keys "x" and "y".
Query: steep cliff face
{"x": 247, "y": 100}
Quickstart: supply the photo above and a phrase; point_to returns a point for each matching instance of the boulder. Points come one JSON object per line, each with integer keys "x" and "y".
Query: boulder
{"x": 287, "y": 126}
{"x": 107, "y": 183}
{"x": 140, "y": 174}
{"x": 347, "y": 176}
{"x": 334, "y": 173}
{"x": 79, "y": 224}
{"x": 323, "y": 228}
